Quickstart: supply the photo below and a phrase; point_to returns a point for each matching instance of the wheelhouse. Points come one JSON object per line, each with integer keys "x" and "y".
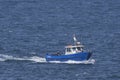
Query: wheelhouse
{"x": 73, "y": 49}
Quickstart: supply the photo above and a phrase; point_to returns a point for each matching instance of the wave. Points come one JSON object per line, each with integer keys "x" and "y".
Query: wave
{"x": 91, "y": 61}
{"x": 4, "y": 57}
{"x": 37, "y": 59}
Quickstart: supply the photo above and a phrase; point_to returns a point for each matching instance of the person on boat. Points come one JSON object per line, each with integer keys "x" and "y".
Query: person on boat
{"x": 58, "y": 53}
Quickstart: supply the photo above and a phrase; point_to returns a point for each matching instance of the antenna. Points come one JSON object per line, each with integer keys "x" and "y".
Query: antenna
{"x": 75, "y": 39}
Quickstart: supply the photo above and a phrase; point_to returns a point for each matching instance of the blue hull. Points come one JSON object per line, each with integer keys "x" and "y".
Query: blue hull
{"x": 76, "y": 57}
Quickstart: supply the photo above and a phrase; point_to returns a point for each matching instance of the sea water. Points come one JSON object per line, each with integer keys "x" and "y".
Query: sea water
{"x": 31, "y": 28}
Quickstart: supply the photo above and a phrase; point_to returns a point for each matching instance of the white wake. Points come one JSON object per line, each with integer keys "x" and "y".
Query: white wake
{"x": 4, "y": 57}
{"x": 90, "y": 61}
{"x": 37, "y": 59}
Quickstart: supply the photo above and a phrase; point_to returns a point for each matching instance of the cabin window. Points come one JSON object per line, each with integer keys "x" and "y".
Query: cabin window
{"x": 74, "y": 49}
{"x": 68, "y": 50}
{"x": 78, "y": 48}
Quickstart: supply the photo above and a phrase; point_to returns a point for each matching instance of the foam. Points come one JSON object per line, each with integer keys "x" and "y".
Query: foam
{"x": 91, "y": 61}
{"x": 4, "y": 57}
{"x": 37, "y": 59}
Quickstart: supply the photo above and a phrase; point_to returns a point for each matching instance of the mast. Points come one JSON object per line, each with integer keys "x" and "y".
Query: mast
{"x": 75, "y": 39}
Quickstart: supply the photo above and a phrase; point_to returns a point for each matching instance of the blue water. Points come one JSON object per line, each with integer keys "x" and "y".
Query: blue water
{"x": 32, "y": 28}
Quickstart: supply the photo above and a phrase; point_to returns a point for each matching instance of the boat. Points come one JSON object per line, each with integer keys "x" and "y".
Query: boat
{"x": 74, "y": 52}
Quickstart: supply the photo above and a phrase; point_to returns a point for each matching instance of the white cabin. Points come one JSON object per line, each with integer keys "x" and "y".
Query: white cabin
{"x": 74, "y": 49}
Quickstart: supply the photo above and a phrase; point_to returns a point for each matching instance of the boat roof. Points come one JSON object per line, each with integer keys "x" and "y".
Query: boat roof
{"x": 70, "y": 46}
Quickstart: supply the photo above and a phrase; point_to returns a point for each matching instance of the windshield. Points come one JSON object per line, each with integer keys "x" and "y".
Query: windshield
{"x": 68, "y": 50}
{"x": 78, "y": 48}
